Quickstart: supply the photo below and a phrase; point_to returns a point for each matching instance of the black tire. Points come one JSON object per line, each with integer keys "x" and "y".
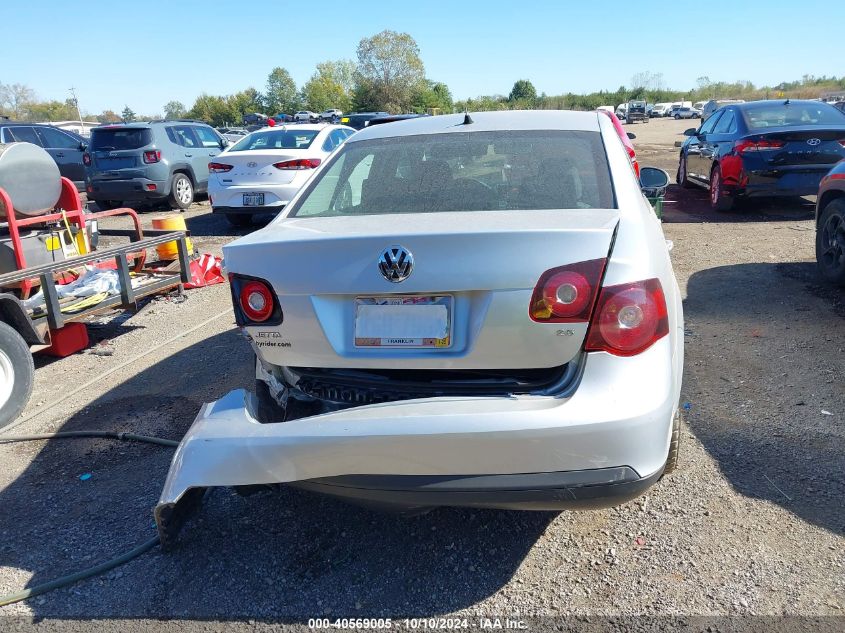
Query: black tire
{"x": 674, "y": 445}
{"x": 682, "y": 177}
{"x": 181, "y": 192}
{"x": 15, "y": 359}
{"x": 677, "y": 117}
{"x": 830, "y": 242}
{"x": 108, "y": 205}
{"x": 239, "y": 220}
{"x": 719, "y": 200}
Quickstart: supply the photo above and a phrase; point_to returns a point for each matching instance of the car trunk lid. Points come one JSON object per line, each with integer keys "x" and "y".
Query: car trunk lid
{"x": 797, "y": 146}
{"x": 257, "y": 167}
{"x": 480, "y": 267}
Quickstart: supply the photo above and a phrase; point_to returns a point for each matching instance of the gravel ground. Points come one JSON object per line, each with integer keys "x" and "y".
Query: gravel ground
{"x": 752, "y": 523}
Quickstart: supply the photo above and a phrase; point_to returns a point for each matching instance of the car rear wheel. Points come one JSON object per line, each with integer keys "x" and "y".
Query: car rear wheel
{"x": 682, "y": 178}
{"x": 16, "y": 374}
{"x": 830, "y": 242}
{"x": 239, "y": 219}
{"x": 719, "y": 200}
{"x": 181, "y": 192}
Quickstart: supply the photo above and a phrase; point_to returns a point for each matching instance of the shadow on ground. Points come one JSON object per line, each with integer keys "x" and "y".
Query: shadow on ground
{"x": 275, "y": 554}
{"x": 693, "y": 205}
{"x": 774, "y": 416}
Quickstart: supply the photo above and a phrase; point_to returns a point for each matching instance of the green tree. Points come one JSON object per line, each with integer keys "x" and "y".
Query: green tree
{"x": 331, "y": 86}
{"x": 245, "y": 102}
{"x": 51, "y": 111}
{"x": 523, "y": 90}
{"x": 389, "y": 71}
{"x": 128, "y": 114}
{"x": 108, "y": 116}
{"x": 174, "y": 110}
{"x": 280, "y": 93}
{"x": 432, "y": 95}
{"x": 213, "y": 110}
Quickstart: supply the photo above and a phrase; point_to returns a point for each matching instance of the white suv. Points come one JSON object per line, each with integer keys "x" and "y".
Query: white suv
{"x": 305, "y": 115}
{"x": 332, "y": 114}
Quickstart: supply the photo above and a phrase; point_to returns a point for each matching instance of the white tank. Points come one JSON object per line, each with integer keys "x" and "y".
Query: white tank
{"x": 30, "y": 177}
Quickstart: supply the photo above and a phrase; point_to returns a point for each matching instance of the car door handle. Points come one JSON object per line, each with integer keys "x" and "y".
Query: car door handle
{"x": 59, "y": 155}
{"x": 212, "y": 155}
{"x": 188, "y": 155}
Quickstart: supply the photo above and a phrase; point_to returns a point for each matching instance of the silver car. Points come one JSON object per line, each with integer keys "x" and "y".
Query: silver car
{"x": 469, "y": 310}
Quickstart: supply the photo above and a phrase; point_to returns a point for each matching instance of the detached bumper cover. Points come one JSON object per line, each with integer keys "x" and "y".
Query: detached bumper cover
{"x": 616, "y": 424}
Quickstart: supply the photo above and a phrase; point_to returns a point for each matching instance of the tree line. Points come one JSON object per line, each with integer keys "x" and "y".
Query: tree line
{"x": 389, "y": 75}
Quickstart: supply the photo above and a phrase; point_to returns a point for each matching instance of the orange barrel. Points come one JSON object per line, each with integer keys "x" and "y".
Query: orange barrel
{"x": 171, "y": 222}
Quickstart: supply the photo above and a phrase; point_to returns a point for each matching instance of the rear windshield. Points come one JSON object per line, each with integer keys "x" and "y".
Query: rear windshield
{"x": 276, "y": 139}
{"x": 121, "y": 138}
{"x": 782, "y": 115}
{"x": 473, "y": 171}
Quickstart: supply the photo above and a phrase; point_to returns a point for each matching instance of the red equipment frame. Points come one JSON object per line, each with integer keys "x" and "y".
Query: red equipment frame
{"x": 69, "y": 206}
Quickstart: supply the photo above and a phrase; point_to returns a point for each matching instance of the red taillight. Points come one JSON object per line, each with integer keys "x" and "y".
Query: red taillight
{"x": 256, "y": 301}
{"x": 152, "y": 156}
{"x": 759, "y": 145}
{"x": 566, "y": 294}
{"x": 216, "y": 168}
{"x": 300, "y": 163}
{"x": 86, "y": 159}
{"x": 628, "y": 318}
{"x": 842, "y": 142}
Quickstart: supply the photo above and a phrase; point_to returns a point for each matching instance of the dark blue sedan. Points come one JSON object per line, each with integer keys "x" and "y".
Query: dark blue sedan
{"x": 762, "y": 149}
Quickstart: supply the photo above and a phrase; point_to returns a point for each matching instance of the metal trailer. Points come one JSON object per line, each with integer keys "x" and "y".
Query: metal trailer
{"x": 23, "y": 332}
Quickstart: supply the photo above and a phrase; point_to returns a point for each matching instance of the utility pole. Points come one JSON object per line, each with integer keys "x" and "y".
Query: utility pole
{"x": 78, "y": 111}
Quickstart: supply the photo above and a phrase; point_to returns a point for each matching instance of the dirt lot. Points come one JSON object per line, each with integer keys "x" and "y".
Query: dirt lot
{"x": 752, "y": 522}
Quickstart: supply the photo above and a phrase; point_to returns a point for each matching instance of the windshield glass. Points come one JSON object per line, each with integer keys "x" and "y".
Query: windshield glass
{"x": 793, "y": 114}
{"x": 472, "y": 171}
{"x": 276, "y": 139}
{"x": 120, "y": 138}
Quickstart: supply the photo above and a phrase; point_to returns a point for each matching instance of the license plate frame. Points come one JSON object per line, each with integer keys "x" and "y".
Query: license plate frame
{"x": 253, "y": 199}
{"x": 367, "y": 306}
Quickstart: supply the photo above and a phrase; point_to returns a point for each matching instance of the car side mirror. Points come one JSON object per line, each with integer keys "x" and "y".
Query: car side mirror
{"x": 691, "y": 132}
{"x": 652, "y": 178}
{"x": 631, "y": 135}
{"x": 224, "y": 142}
{"x": 83, "y": 146}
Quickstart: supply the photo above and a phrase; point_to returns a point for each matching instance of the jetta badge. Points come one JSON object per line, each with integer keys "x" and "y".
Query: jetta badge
{"x": 814, "y": 141}
{"x": 396, "y": 263}
{"x": 252, "y": 163}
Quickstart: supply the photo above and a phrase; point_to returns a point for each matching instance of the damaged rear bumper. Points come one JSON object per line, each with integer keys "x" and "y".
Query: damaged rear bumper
{"x": 601, "y": 445}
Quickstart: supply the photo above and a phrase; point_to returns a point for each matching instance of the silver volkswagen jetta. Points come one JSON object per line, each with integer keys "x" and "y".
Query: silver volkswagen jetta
{"x": 472, "y": 310}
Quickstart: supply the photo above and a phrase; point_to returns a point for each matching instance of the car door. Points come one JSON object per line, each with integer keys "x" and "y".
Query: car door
{"x": 66, "y": 150}
{"x": 212, "y": 145}
{"x": 193, "y": 153}
{"x": 718, "y": 141}
{"x": 697, "y": 144}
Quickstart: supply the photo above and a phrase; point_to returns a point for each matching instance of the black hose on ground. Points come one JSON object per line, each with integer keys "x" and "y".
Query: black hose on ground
{"x": 64, "y": 581}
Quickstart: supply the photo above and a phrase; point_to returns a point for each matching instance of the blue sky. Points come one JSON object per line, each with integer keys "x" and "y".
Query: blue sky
{"x": 154, "y": 51}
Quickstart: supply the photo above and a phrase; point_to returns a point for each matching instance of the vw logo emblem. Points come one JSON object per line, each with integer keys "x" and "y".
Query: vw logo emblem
{"x": 396, "y": 263}
{"x": 252, "y": 163}
{"x": 814, "y": 141}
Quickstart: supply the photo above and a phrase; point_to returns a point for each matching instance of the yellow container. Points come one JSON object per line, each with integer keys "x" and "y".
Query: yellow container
{"x": 171, "y": 222}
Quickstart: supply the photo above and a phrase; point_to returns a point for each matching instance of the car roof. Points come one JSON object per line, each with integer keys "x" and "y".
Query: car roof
{"x": 300, "y": 126}
{"x": 751, "y": 104}
{"x": 484, "y": 122}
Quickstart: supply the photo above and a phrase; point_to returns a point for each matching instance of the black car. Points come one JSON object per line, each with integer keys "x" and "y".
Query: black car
{"x": 762, "y": 149}
{"x": 394, "y": 117}
{"x": 65, "y": 147}
{"x": 360, "y": 120}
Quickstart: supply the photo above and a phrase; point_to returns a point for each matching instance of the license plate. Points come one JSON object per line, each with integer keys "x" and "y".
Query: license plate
{"x": 404, "y": 321}
{"x": 253, "y": 199}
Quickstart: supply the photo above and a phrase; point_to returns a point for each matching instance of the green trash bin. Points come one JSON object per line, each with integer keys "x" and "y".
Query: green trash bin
{"x": 657, "y": 205}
